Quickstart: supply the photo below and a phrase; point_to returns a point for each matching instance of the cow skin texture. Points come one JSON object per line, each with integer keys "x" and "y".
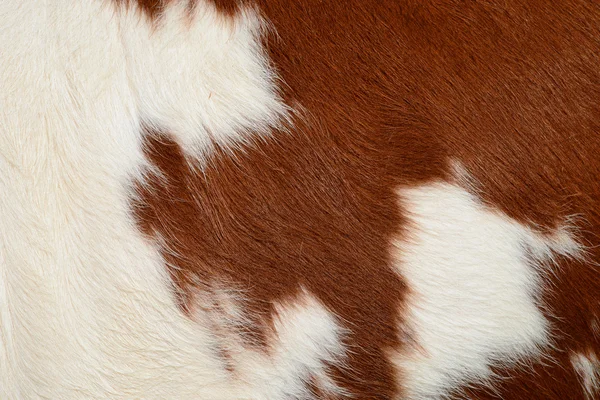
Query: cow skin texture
{"x": 299, "y": 199}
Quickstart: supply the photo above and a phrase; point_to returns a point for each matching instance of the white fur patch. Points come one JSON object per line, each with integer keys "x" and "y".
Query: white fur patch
{"x": 86, "y": 309}
{"x": 205, "y": 81}
{"x": 306, "y": 338}
{"x": 472, "y": 287}
{"x": 588, "y": 369}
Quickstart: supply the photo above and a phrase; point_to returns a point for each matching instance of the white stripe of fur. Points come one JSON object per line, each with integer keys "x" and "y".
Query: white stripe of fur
{"x": 588, "y": 369}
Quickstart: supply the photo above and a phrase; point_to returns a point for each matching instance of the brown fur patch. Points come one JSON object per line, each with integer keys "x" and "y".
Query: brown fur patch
{"x": 394, "y": 90}
{"x": 286, "y": 215}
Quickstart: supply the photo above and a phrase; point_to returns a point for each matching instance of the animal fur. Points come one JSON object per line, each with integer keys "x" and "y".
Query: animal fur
{"x": 299, "y": 199}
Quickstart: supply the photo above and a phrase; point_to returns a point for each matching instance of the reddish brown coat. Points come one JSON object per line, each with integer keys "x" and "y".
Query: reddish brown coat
{"x": 392, "y": 93}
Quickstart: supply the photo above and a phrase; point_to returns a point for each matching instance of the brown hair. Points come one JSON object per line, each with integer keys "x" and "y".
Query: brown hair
{"x": 392, "y": 92}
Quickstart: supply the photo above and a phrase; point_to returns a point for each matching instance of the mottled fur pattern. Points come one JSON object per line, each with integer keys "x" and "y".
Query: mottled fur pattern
{"x": 307, "y": 199}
